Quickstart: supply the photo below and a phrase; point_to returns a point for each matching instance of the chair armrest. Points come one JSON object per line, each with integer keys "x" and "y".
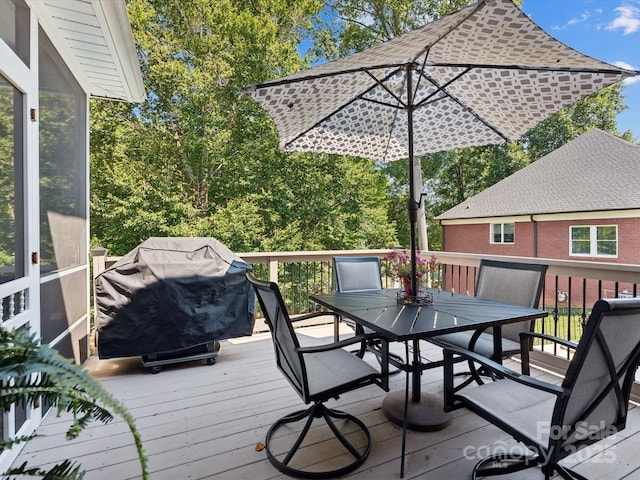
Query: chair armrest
{"x": 326, "y": 347}
{"x": 336, "y": 321}
{"x": 307, "y": 316}
{"x": 525, "y": 346}
{"x": 501, "y": 370}
{"x": 544, "y": 336}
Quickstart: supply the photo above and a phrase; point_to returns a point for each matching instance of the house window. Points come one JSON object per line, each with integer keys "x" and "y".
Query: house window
{"x": 503, "y": 232}
{"x": 594, "y": 240}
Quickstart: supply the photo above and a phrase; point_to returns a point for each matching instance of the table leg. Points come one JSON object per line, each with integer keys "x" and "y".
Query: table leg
{"x": 497, "y": 343}
{"x": 424, "y": 411}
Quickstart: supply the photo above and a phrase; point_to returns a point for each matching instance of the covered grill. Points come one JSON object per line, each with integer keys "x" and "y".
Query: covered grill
{"x": 170, "y": 299}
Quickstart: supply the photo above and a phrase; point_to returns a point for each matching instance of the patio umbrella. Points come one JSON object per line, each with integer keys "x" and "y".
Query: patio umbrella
{"x": 483, "y": 75}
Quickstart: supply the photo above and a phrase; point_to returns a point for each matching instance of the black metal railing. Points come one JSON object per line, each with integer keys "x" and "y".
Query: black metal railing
{"x": 571, "y": 287}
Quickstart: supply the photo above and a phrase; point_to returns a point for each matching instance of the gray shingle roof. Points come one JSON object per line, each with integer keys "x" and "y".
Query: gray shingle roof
{"x": 594, "y": 172}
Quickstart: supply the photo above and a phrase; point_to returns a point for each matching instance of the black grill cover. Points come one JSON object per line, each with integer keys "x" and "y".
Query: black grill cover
{"x": 170, "y": 294}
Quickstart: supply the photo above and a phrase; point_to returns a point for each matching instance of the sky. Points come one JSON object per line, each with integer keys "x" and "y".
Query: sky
{"x": 608, "y": 30}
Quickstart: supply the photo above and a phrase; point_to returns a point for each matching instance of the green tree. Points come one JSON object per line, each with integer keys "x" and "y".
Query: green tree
{"x": 348, "y": 26}
{"x": 598, "y": 110}
{"x": 201, "y": 158}
{"x": 7, "y": 180}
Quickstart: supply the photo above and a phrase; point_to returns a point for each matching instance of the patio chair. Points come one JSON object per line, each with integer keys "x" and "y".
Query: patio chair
{"x": 508, "y": 282}
{"x": 554, "y": 421}
{"x": 360, "y": 274}
{"x": 356, "y": 274}
{"x": 317, "y": 373}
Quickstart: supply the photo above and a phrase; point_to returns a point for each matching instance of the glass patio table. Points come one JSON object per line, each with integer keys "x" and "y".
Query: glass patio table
{"x": 447, "y": 313}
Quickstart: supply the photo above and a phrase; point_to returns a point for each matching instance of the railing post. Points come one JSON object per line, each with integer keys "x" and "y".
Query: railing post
{"x": 99, "y": 255}
{"x": 273, "y": 270}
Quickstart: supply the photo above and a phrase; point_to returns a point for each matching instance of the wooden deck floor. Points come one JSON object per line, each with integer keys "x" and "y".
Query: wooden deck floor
{"x": 204, "y": 422}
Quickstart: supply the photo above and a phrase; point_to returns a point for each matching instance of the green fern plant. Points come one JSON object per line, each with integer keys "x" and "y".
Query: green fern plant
{"x": 31, "y": 373}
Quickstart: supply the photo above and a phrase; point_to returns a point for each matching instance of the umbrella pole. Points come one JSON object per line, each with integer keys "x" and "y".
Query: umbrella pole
{"x": 412, "y": 204}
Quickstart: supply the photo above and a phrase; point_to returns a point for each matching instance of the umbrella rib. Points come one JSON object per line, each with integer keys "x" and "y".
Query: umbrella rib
{"x": 317, "y": 76}
{"x": 287, "y": 81}
{"x": 393, "y": 126}
{"x": 397, "y": 107}
{"x": 382, "y": 84}
{"x": 360, "y": 96}
{"x": 424, "y": 62}
{"x": 442, "y": 89}
{"x": 439, "y": 88}
{"x": 530, "y": 68}
{"x": 385, "y": 104}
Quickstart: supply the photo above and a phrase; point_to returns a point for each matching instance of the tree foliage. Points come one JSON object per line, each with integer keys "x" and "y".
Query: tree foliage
{"x": 199, "y": 158}
{"x": 7, "y": 188}
{"x": 349, "y": 26}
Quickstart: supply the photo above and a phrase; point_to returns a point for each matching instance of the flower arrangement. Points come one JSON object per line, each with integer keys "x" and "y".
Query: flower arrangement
{"x": 400, "y": 266}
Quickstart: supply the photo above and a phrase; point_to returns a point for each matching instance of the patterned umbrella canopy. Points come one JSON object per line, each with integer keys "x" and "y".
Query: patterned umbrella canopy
{"x": 483, "y": 75}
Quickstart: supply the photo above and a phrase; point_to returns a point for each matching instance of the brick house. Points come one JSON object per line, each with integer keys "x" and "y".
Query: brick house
{"x": 580, "y": 202}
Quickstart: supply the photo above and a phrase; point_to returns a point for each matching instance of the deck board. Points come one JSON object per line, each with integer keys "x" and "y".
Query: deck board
{"x": 203, "y": 422}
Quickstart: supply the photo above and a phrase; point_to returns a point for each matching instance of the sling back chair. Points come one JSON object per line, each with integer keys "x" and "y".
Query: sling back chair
{"x": 317, "y": 374}
{"x": 356, "y": 274}
{"x": 507, "y": 282}
{"x": 361, "y": 274}
{"x": 554, "y": 421}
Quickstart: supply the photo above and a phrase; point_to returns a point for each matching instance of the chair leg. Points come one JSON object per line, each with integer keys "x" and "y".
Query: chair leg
{"x": 318, "y": 410}
{"x": 372, "y": 347}
{"x": 363, "y": 345}
{"x": 478, "y": 373}
{"x": 375, "y": 349}
{"x": 475, "y": 375}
